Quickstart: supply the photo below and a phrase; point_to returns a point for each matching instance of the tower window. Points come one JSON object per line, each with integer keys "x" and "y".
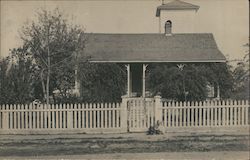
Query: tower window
{"x": 168, "y": 27}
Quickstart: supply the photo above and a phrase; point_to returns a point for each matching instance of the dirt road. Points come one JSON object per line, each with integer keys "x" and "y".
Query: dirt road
{"x": 122, "y": 144}
{"x": 149, "y": 156}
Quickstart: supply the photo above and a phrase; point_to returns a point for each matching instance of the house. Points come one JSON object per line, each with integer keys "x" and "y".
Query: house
{"x": 175, "y": 42}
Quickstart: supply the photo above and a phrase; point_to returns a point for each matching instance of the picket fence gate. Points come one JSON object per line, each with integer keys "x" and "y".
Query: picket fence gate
{"x": 131, "y": 115}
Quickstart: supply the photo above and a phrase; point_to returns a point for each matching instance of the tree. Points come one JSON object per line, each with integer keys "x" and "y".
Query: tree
{"x": 102, "y": 82}
{"x": 54, "y": 45}
{"x": 4, "y": 63}
{"x": 189, "y": 81}
{"x": 17, "y": 77}
{"x": 221, "y": 74}
{"x": 241, "y": 78}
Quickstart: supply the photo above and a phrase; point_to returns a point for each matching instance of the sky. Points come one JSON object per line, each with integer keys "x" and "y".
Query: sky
{"x": 228, "y": 20}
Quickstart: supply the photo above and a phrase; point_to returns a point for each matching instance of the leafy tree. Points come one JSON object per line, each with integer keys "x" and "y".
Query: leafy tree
{"x": 17, "y": 77}
{"x": 189, "y": 81}
{"x": 241, "y": 78}
{"x": 54, "y": 45}
{"x": 4, "y": 63}
{"x": 221, "y": 74}
{"x": 101, "y": 82}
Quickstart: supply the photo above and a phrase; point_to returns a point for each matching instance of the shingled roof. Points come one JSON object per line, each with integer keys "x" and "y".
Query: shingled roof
{"x": 176, "y": 5}
{"x": 124, "y": 48}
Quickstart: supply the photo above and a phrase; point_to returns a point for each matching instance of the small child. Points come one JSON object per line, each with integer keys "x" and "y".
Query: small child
{"x": 158, "y": 128}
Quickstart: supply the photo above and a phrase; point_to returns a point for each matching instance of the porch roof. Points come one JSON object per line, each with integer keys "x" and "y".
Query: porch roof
{"x": 129, "y": 48}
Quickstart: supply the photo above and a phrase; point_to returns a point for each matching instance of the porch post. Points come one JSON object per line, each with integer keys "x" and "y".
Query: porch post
{"x": 128, "y": 80}
{"x": 144, "y": 67}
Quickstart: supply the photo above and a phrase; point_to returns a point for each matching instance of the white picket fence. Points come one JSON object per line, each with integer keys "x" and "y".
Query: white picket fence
{"x": 75, "y": 118}
{"x": 205, "y": 114}
{"x": 187, "y": 116}
{"x": 132, "y": 114}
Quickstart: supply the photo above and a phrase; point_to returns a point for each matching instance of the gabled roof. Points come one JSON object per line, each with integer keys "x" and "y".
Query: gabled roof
{"x": 124, "y": 48}
{"x": 176, "y": 5}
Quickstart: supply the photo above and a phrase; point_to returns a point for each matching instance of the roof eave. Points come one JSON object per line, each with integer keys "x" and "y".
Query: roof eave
{"x": 159, "y": 61}
{"x": 158, "y": 11}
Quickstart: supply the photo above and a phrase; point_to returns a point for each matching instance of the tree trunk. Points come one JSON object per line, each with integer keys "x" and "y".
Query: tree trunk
{"x": 43, "y": 85}
{"x": 47, "y": 86}
{"x": 48, "y": 74}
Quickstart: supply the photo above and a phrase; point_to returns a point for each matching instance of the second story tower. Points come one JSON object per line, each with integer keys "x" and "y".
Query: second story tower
{"x": 176, "y": 17}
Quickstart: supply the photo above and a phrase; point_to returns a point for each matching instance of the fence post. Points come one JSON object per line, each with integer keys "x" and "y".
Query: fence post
{"x": 69, "y": 116}
{"x": 158, "y": 112}
{"x": 124, "y": 112}
{"x": 5, "y": 120}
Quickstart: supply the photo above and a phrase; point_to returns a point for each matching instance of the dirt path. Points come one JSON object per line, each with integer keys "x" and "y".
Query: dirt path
{"x": 60, "y": 145}
{"x": 150, "y": 156}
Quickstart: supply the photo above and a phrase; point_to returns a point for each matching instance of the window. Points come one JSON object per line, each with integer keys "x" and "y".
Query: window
{"x": 168, "y": 27}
